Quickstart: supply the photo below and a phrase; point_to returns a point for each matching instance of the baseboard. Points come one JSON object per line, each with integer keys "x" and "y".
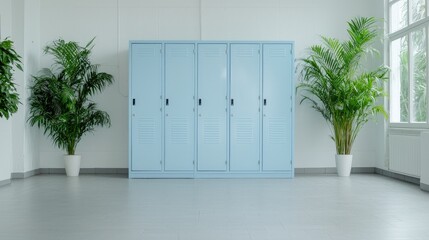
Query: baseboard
{"x": 398, "y": 176}
{"x": 124, "y": 171}
{"x": 332, "y": 170}
{"x": 86, "y": 171}
{"x": 22, "y": 175}
{"x": 424, "y": 187}
{"x": 5, "y": 182}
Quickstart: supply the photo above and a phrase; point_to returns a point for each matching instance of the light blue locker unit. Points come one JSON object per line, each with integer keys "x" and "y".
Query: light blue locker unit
{"x": 179, "y": 107}
{"x": 277, "y": 107}
{"x": 245, "y": 107}
{"x": 212, "y": 106}
{"x": 211, "y": 109}
{"x": 146, "y": 114}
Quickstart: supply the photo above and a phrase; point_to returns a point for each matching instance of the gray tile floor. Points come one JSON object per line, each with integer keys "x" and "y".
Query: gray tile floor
{"x": 324, "y": 207}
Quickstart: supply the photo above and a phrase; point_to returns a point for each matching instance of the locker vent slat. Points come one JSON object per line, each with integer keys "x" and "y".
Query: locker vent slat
{"x": 244, "y": 52}
{"x": 244, "y": 130}
{"x": 213, "y": 52}
{"x": 277, "y": 130}
{"x": 180, "y": 52}
{"x": 278, "y": 52}
{"x": 179, "y": 131}
{"x": 211, "y": 130}
{"x": 146, "y": 130}
{"x": 147, "y": 52}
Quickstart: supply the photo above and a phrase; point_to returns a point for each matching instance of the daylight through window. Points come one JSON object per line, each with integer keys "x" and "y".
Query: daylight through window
{"x": 407, "y": 39}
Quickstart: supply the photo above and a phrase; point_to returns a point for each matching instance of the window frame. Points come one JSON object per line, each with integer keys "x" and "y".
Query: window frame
{"x": 406, "y": 32}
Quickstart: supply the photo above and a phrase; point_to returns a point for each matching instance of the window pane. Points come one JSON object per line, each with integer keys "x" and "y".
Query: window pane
{"x": 398, "y": 15}
{"x": 418, "y": 10}
{"x": 419, "y": 97}
{"x": 399, "y": 82}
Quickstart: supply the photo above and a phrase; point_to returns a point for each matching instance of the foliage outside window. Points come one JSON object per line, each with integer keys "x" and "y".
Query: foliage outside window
{"x": 407, "y": 38}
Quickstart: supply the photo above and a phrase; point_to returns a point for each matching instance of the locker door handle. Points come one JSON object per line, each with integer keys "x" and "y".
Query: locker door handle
{"x": 166, "y": 102}
{"x": 265, "y": 102}
{"x": 199, "y": 101}
{"x": 232, "y": 102}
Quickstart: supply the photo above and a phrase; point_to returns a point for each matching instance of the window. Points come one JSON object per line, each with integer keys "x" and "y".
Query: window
{"x": 408, "y": 46}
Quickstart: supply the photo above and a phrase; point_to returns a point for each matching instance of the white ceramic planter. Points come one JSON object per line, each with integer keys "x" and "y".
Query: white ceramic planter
{"x": 72, "y": 165}
{"x": 344, "y": 164}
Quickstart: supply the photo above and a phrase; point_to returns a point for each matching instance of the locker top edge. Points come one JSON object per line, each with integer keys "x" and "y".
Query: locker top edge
{"x": 208, "y": 41}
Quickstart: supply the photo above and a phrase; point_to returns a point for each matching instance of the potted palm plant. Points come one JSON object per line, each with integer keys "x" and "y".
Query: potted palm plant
{"x": 9, "y": 98}
{"x": 60, "y": 100}
{"x": 335, "y": 83}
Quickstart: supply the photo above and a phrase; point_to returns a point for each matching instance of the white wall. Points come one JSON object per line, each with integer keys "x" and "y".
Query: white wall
{"x": 115, "y": 22}
{"x": 20, "y": 20}
{"x": 31, "y": 67}
{"x": 5, "y": 149}
{"x": 5, "y": 18}
{"x": 5, "y": 125}
{"x": 26, "y": 34}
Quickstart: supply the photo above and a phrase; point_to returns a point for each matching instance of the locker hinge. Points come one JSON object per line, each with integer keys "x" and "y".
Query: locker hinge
{"x": 134, "y": 101}
{"x": 226, "y": 162}
{"x": 160, "y": 162}
{"x": 259, "y": 162}
{"x": 160, "y": 50}
{"x": 193, "y": 162}
{"x": 259, "y": 109}
{"x": 193, "y": 109}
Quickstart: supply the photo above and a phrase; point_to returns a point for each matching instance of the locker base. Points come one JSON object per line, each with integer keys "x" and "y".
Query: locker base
{"x": 206, "y": 175}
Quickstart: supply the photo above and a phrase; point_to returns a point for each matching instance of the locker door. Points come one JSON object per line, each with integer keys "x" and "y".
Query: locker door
{"x": 146, "y": 80}
{"x": 212, "y": 105}
{"x": 277, "y": 104}
{"x": 244, "y": 107}
{"x": 179, "y": 107}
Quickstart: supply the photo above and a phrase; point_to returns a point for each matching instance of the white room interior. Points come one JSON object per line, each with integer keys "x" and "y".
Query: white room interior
{"x": 32, "y": 24}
